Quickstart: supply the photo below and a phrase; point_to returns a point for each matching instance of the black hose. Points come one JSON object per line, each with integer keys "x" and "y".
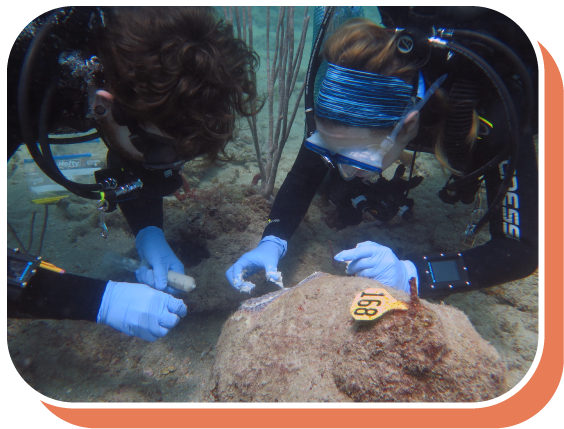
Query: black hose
{"x": 514, "y": 58}
{"x": 313, "y": 67}
{"x": 28, "y": 65}
{"x": 463, "y": 99}
{"x": 44, "y": 159}
{"x": 74, "y": 140}
{"x": 37, "y": 156}
{"x": 46, "y": 154}
{"x": 512, "y": 148}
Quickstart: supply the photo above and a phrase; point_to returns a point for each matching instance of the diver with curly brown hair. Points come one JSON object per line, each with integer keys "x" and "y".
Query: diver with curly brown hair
{"x": 160, "y": 86}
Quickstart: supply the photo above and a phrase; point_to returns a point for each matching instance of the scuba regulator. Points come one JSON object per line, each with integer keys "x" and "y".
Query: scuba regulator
{"x": 465, "y": 55}
{"x": 156, "y": 177}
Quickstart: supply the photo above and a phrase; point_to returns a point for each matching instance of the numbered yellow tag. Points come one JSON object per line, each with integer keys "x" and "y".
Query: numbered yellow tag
{"x": 372, "y": 303}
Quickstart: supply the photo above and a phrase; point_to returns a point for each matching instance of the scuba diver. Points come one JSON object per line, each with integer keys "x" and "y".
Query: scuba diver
{"x": 437, "y": 80}
{"x": 160, "y": 86}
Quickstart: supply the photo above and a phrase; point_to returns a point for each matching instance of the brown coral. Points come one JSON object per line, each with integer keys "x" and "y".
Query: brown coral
{"x": 304, "y": 346}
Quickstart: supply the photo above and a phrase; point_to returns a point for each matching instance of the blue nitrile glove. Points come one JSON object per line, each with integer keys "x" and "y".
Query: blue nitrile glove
{"x": 372, "y": 260}
{"x": 264, "y": 257}
{"x": 152, "y": 246}
{"x": 139, "y": 310}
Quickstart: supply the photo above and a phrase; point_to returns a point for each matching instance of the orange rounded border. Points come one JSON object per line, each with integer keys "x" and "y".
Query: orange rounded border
{"x": 518, "y": 408}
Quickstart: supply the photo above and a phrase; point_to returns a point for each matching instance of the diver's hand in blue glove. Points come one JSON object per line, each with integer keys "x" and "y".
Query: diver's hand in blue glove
{"x": 372, "y": 260}
{"x": 152, "y": 246}
{"x": 146, "y": 276}
{"x": 264, "y": 257}
{"x": 139, "y": 310}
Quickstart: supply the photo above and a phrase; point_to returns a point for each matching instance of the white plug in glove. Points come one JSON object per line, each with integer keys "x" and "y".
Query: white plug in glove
{"x": 152, "y": 247}
{"x": 139, "y": 310}
{"x": 374, "y": 261}
{"x": 264, "y": 257}
{"x": 146, "y": 275}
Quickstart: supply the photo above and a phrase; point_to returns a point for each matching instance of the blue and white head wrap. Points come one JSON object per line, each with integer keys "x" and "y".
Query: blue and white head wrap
{"x": 363, "y": 99}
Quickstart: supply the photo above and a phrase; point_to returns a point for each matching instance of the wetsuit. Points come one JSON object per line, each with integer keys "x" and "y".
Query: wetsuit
{"x": 512, "y": 252}
{"x": 69, "y": 52}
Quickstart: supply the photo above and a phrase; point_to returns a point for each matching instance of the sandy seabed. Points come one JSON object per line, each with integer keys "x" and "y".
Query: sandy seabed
{"x": 82, "y": 361}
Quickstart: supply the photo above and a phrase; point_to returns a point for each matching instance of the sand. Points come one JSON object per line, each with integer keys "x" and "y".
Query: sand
{"x": 81, "y": 361}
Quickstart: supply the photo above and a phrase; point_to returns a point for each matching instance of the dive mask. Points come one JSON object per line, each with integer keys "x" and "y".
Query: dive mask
{"x": 355, "y": 151}
{"x": 361, "y": 158}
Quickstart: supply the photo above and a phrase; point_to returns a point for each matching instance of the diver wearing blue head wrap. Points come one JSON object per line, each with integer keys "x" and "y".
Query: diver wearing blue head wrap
{"x": 362, "y": 99}
{"x": 364, "y": 102}
{"x": 363, "y": 121}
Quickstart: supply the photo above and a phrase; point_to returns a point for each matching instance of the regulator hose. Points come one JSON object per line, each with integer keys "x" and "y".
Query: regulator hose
{"x": 512, "y": 56}
{"x": 512, "y": 147}
{"x": 44, "y": 158}
{"x": 463, "y": 99}
{"x": 28, "y": 65}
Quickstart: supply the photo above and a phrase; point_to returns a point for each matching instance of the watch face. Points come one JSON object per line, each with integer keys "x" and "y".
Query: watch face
{"x": 444, "y": 271}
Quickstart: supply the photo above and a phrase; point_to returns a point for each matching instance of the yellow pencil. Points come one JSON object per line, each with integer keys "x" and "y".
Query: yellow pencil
{"x": 51, "y": 267}
{"x": 48, "y": 200}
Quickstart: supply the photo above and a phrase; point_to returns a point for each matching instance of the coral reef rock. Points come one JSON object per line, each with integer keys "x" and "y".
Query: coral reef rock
{"x": 301, "y": 344}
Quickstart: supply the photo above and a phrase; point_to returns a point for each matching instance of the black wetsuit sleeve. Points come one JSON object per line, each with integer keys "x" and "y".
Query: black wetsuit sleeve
{"x": 50, "y": 295}
{"x": 143, "y": 212}
{"x": 295, "y": 194}
{"x": 139, "y": 212}
{"x": 512, "y": 252}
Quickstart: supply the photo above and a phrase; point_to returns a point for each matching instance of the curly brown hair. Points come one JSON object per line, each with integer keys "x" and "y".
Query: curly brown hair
{"x": 182, "y": 69}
